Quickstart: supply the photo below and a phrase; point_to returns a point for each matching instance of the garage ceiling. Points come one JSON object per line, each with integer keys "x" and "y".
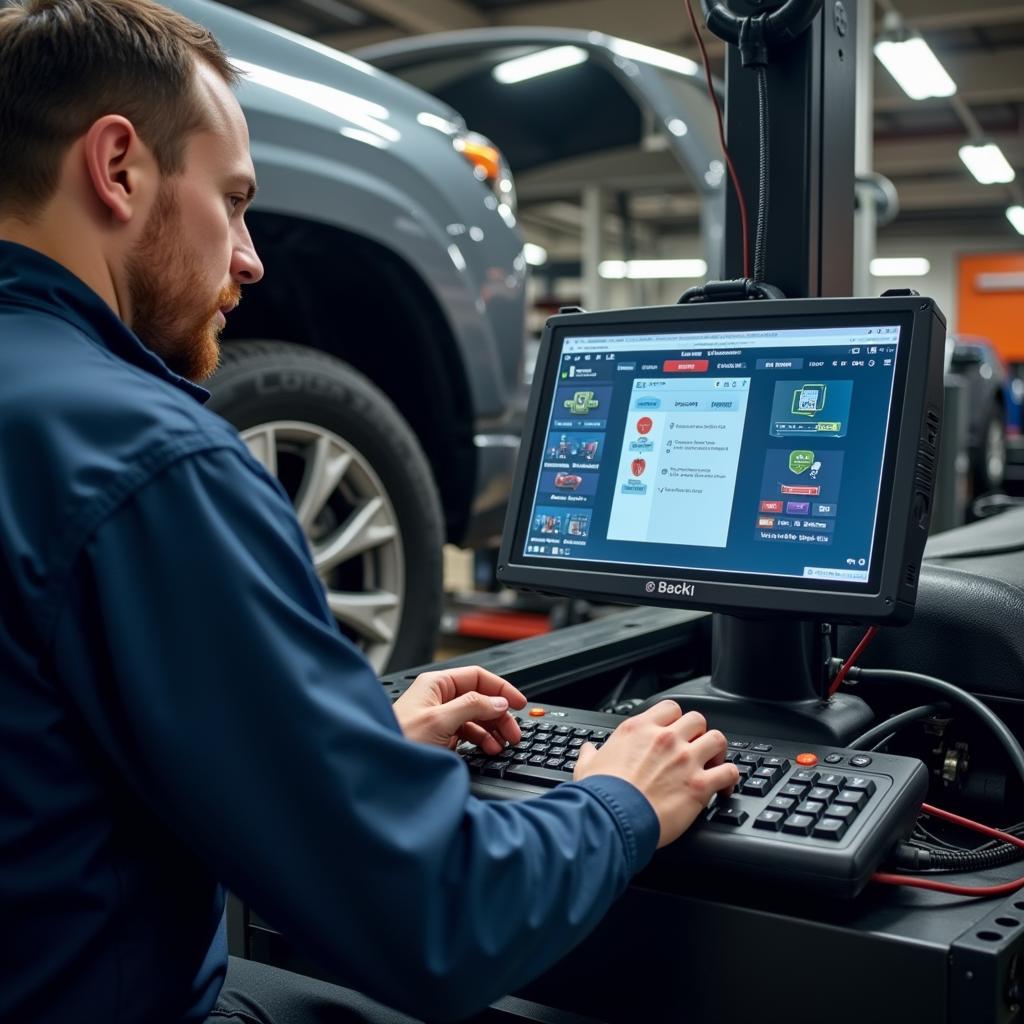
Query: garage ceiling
{"x": 980, "y": 42}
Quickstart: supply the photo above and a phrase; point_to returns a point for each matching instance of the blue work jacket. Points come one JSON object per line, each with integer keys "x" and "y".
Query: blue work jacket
{"x": 179, "y": 713}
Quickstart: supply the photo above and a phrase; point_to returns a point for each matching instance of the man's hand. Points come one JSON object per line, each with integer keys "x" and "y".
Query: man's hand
{"x": 467, "y": 703}
{"x": 671, "y": 758}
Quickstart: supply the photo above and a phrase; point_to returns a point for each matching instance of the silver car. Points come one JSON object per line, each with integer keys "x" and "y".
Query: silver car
{"x": 376, "y": 369}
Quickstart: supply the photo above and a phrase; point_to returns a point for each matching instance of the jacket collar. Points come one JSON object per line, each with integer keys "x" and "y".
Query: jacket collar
{"x": 30, "y": 279}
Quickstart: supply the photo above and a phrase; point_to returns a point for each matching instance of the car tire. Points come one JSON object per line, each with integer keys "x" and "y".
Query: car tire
{"x": 362, "y": 489}
{"x": 989, "y": 462}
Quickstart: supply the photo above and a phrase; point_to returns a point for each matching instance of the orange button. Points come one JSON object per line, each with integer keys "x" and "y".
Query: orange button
{"x": 537, "y": 712}
{"x": 810, "y": 760}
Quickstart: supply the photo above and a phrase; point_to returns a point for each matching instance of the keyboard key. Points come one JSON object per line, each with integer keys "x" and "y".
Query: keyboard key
{"x": 782, "y": 803}
{"x": 576, "y": 742}
{"x": 767, "y": 773}
{"x": 775, "y": 762}
{"x": 545, "y": 727}
{"x": 554, "y": 762}
{"x": 770, "y": 820}
{"x": 859, "y": 782}
{"x": 810, "y": 807}
{"x": 833, "y": 759}
{"x": 745, "y": 771}
{"x": 558, "y": 751}
{"x": 570, "y": 765}
{"x": 541, "y": 748}
{"x": 860, "y": 760}
{"x": 475, "y": 763}
{"x": 803, "y": 775}
{"x": 581, "y": 731}
{"x": 731, "y": 756}
{"x": 822, "y": 793}
{"x": 752, "y": 759}
{"x": 739, "y": 744}
{"x": 830, "y": 828}
{"x": 832, "y": 780}
{"x": 539, "y": 776}
{"x": 798, "y": 824}
{"x": 563, "y": 730}
{"x": 793, "y": 789}
{"x": 537, "y": 759}
{"x": 729, "y": 812}
{"x": 764, "y": 748}
{"x": 755, "y": 787}
{"x": 521, "y": 756}
{"x": 854, "y": 797}
{"x": 495, "y": 769}
{"x": 844, "y": 812}
{"x": 599, "y": 734}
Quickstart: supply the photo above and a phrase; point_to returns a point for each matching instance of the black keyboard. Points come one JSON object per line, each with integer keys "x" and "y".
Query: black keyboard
{"x": 803, "y": 813}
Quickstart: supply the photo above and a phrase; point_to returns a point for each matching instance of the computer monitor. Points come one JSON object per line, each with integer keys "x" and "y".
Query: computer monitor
{"x": 761, "y": 458}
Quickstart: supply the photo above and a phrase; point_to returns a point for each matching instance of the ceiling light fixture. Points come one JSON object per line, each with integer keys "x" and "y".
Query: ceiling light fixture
{"x": 909, "y": 59}
{"x": 1015, "y": 215}
{"x": 986, "y": 162}
{"x": 903, "y": 266}
{"x": 637, "y": 270}
{"x": 542, "y": 62}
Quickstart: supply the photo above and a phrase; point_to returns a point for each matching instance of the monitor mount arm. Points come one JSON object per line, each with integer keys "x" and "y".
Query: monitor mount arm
{"x": 768, "y": 675}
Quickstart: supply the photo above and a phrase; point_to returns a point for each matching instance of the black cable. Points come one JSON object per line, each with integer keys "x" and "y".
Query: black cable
{"x": 892, "y": 725}
{"x": 908, "y": 857}
{"x": 761, "y": 233}
{"x": 956, "y": 696}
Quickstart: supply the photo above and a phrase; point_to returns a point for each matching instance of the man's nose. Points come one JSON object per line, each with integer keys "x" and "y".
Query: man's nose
{"x": 246, "y": 267}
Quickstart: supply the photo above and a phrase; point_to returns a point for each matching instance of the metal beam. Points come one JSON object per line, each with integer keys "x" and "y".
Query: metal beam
{"x": 939, "y": 14}
{"x": 424, "y": 15}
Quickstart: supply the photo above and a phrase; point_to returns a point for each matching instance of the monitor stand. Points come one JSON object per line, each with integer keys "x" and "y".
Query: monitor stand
{"x": 768, "y": 677}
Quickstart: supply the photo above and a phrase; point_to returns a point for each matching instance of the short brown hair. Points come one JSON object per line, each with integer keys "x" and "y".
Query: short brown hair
{"x": 66, "y": 63}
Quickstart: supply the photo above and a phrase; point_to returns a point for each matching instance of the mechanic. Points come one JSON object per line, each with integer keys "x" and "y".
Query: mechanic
{"x": 178, "y": 710}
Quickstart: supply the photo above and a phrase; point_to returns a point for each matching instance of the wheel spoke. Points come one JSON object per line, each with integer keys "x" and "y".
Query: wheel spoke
{"x": 368, "y": 527}
{"x": 263, "y": 446}
{"x": 325, "y": 468}
{"x": 366, "y": 613}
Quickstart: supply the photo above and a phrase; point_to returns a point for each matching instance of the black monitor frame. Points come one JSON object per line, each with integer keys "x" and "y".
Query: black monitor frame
{"x": 908, "y": 472}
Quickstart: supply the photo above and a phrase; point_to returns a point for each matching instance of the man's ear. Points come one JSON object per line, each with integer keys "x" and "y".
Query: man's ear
{"x": 118, "y": 165}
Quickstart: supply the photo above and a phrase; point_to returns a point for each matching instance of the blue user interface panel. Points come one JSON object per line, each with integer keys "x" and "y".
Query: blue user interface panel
{"x": 739, "y": 452}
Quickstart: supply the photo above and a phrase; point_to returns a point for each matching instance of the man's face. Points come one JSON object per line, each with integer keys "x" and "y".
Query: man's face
{"x": 186, "y": 271}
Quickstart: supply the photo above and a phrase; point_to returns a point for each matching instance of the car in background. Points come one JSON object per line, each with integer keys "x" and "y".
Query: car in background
{"x": 376, "y": 370}
{"x": 994, "y": 401}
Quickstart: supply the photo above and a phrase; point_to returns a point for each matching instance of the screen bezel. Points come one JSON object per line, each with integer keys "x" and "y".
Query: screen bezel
{"x": 872, "y": 600}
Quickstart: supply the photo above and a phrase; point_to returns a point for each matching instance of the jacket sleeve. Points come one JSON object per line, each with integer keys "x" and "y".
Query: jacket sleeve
{"x": 222, "y": 690}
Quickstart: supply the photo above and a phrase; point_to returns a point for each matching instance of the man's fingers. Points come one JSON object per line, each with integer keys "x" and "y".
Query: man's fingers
{"x": 467, "y": 678}
{"x": 723, "y": 777}
{"x": 692, "y": 725}
{"x": 665, "y": 712}
{"x": 470, "y": 707}
{"x": 586, "y": 752}
{"x": 710, "y": 748}
{"x": 486, "y": 741}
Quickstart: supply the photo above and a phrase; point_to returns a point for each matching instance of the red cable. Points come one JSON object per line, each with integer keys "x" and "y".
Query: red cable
{"x": 848, "y": 664}
{"x": 978, "y": 891}
{"x": 721, "y": 135}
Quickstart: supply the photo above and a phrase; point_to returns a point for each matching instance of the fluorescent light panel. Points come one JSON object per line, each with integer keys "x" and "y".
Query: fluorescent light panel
{"x": 916, "y": 69}
{"x": 905, "y": 266}
{"x": 543, "y": 62}
{"x": 1015, "y": 215}
{"x": 987, "y": 163}
{"x": 535, "y": 255}
{"x": 652, "y": 55}
{"x": 637, "y": 270}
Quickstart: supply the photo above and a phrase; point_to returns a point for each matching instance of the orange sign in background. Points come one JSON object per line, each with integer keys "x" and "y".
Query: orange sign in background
{"x": 991, "y": 301}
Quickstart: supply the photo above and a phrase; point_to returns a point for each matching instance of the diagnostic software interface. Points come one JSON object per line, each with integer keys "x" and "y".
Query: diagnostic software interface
{"x": 753, "y": 452}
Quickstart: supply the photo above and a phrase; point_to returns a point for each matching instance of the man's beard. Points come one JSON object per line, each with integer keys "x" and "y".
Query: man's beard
{"x": 164, "y": 289}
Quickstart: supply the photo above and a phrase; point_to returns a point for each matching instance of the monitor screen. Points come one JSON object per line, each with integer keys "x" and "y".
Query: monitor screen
{"x": 754, "y": 452}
